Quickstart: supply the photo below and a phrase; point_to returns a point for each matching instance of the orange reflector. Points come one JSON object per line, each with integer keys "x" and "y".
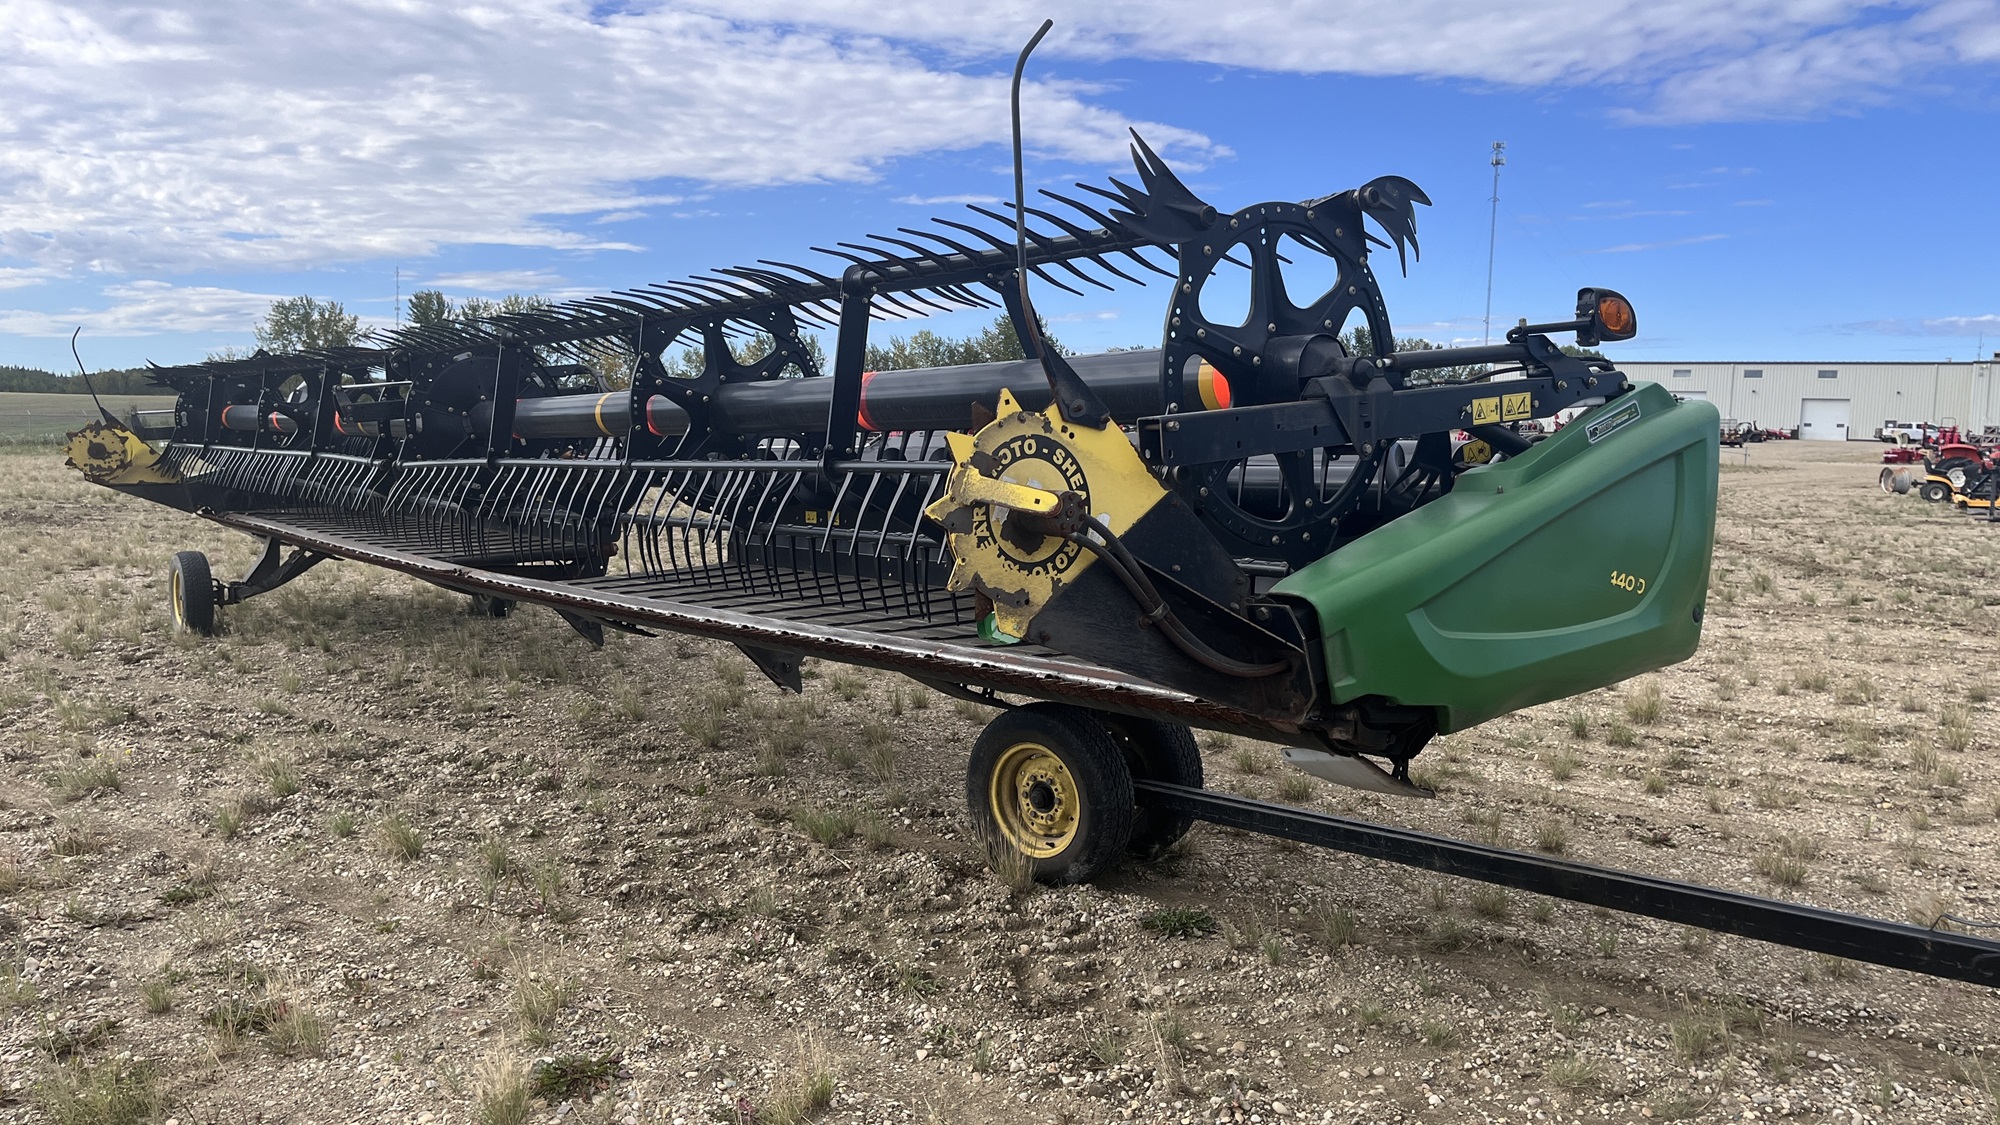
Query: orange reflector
{"x": 1214, "y": 387}
{"x": 1615, "y": 314}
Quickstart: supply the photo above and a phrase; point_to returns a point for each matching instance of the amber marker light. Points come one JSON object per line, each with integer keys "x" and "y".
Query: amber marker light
{"x": 1615, "y": 314}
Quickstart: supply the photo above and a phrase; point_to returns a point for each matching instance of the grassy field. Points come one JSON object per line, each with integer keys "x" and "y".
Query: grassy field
{"x": 31, "y": 418}
{"x": 366, "y": 856}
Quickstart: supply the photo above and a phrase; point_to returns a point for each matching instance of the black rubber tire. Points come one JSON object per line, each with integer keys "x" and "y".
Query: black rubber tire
{"x": 1091, "y": 760}
{"x": 1156, "y": 750}
{"x": 1934, "y": 490}
{"x": 485, "y": 605}
{"x": 191, "y": 593}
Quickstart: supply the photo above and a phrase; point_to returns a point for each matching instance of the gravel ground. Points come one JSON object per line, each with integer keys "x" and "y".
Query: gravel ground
{"x": 365, "y": 857}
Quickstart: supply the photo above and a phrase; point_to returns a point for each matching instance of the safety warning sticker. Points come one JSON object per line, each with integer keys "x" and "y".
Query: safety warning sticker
{"x": 1513, "y": 408}
{"x": 1485, "y": 411}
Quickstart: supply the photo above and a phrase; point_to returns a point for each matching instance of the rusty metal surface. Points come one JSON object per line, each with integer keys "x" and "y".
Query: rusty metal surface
{"x": 994, "y": 667}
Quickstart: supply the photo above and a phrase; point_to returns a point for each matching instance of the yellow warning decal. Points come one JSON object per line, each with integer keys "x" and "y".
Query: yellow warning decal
{"x": 1514, "y": 408}
{"x": 1485, "y": 411}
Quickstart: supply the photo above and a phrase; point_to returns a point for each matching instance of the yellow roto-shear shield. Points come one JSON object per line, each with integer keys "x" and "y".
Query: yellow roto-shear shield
{"x": 1025, "y": 460}
{"x": 108, "y": 454}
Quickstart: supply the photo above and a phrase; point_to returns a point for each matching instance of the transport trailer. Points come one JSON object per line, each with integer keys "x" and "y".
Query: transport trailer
{"x": 1247, "y": 529}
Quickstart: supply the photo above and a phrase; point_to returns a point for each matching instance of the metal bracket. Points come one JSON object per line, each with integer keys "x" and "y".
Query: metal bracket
{"x": 591, "y": 627}
{"x": 1206, "y": 436}
{"x": 271, "y": 570}
{"x": 781, "y": 668}
{"x": 985, "y": 697}
{"x": 850, "y": 356}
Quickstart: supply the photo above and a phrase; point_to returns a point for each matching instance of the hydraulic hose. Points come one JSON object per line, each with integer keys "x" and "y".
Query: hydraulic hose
{"x": 1115, "y": 555}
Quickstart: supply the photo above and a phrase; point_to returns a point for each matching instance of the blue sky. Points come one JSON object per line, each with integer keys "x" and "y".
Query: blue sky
{"x": 1790, "y": 179}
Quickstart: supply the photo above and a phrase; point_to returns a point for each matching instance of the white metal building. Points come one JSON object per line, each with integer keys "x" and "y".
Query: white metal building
{"x": 1835, "y": 401}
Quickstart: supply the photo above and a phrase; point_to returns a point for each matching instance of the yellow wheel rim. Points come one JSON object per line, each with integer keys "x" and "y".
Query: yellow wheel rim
{"x": 1034, "y": 799}
{"x": 174, "y": 593}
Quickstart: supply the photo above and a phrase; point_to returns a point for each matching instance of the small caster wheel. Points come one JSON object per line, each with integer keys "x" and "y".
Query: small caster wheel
{"x": 1048, "y": 783}
{"x": 191, "y": 592}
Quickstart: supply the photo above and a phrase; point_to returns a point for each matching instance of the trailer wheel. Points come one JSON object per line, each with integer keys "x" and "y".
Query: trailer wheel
{"x": 191, "y": 593}
{"x": 485, "y": 605}
{"x": 1156, "y": 750}
{"x": 1934, "y": 490}
{"x": 1049, "y": 783}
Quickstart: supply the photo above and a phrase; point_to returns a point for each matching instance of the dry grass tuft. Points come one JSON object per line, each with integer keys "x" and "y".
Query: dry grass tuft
{"x": 81, "y": 777}
{"x": 827, "y": 826}
{"x": 399, "y": 839}
{"x": 1646, "y": 703}
{"x": 1014, "y": 868}
{"x": 500, "y": 1094}
{"x": 539, "y": 997}
{"x": 113, "y": 1092}
{"x": 802, "y": 1090}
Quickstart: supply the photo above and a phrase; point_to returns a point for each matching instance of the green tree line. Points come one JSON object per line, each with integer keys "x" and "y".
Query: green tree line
{"x": 124, "y": 381}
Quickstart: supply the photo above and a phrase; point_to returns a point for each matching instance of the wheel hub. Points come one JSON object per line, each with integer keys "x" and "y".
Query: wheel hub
{"x": 1035, "y": 800}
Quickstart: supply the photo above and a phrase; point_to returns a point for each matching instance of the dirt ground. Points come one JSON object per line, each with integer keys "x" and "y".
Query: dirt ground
{"x": 365, "y": 857}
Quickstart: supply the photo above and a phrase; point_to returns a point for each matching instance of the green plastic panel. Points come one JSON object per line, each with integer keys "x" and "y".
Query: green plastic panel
{"x": 1578, "y": 564}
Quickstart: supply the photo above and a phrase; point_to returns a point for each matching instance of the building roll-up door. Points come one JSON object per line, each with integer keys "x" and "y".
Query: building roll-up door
{"x": 1823, "y": 419}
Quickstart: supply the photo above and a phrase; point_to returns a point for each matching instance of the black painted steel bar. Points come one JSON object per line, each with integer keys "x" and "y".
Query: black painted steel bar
{"x": 1933, "y": 952}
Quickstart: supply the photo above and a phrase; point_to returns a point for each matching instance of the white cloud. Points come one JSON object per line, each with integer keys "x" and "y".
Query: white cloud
{"x": 1987, "y": 324}
{"x": 941, "y": 200}
{"x": 142, "y": 139}
{"x": 14, "y": 278}
{"x": 143, "y": 308}
{"x": 1682, "y": 59}
{"x": 235, "y": 134}
{"x": 1637, "y": 247}
{"x": 493, "y": 281}
{"x": 1966, "y": 327}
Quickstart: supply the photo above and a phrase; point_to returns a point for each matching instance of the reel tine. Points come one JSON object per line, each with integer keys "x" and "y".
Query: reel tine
{"x": 1034, "y": 268}
{"x": 883, "y": 257}
{"x": 1081, "y": 235}
{"x": 927, "y": 255}
{"x": 1042, "y": 240}
{"x": 968, "y": 253}
{"x": 810, "y": 274}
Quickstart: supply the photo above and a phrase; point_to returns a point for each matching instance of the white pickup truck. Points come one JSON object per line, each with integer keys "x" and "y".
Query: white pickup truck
{"x": 1893, "y": 431}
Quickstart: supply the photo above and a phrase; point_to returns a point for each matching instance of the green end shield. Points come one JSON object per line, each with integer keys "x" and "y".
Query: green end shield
{"x": 1577, "y": 564}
